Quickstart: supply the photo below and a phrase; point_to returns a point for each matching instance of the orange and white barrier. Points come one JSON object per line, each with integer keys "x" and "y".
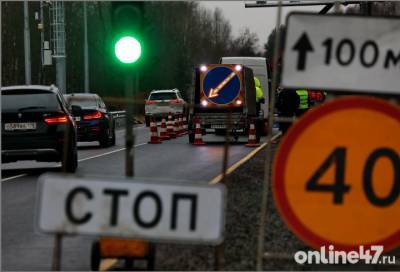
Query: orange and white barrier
{"x": 170, "y": 127}
{"x": 176, "y": 126}
{"x": 198, "y": 140}
{"x": 252, "y": 142}
{"x": 163, "y": 130}
{"x": 185, "y": 125}
{"x": 153, "y": 132}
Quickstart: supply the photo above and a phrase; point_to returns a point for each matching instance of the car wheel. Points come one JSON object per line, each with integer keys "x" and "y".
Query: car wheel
{"x": 151, "y": 258}
{"x": 95, "y": 257}
{"x": 104, "y": 139}
{"x": 259, "y": 130}
{"x": 72, "y": 159}
{"x": 113, "y": 139}
{"x": 191, "y": 137}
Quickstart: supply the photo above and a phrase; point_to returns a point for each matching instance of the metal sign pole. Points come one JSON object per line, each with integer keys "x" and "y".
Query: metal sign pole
{"x": 220, "y": 249}
{"x": 129, "y": 136}
{"x": 269, "y": 157}
{"x": 56, "y": 266}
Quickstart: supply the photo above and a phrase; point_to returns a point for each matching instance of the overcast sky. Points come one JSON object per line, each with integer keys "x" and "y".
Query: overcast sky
{"x": 260, "y": 20}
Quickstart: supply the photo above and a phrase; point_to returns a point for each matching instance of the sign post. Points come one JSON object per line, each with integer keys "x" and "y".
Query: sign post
{"x": 342, "y": 53}
{"x": 175, "y": 212}
{"x": 336, "y": 176}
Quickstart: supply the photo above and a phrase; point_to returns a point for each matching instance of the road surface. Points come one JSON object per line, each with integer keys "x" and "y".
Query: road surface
{"x": 25, "y": 248}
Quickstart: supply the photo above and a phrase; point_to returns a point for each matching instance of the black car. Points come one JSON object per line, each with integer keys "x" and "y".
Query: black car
{"x": 36, "y": 123}
{"x": 94, "y": 121}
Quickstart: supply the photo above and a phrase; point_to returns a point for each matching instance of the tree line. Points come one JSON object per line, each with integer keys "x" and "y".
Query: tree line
{"x": 179, "y": 36}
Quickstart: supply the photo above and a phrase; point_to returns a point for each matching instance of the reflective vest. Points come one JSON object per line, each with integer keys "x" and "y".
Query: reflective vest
{"x": 303, "y": 95}
{"x": 259, "y": 91}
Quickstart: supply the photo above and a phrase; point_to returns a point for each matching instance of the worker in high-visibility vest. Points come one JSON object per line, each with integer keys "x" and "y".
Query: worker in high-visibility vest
{"x": 304, "y": 104}
{"x": 259, "y": 91}
{"x": 259, "y": 94}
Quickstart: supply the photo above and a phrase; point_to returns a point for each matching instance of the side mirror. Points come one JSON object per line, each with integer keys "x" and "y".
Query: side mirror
{"x": 76, "y": 110}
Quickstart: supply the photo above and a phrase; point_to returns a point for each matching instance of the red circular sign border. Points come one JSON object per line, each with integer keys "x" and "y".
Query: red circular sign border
{"x": 278, "y": 189}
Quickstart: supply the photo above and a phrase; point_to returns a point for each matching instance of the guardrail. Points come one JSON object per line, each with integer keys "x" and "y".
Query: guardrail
{"x": 119, "y": 117}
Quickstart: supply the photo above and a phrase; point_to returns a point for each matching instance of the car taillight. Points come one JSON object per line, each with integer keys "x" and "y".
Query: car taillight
{"x": 95, "y": 115}
{"x": 56, "y": 120}
{"x": 150, "y": 102}
{"x": 175, "y": 101}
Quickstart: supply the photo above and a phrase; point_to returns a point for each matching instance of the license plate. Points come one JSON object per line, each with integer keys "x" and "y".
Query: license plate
{"x": 19, "y": 126}
{"x": 218, "y": 126}
{"x": 77, "y": 118}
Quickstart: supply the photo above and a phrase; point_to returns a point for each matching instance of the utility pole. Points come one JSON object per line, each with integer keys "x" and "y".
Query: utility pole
{"x": 86, "y": 51}
{"x": 41, "y": 28}
{"x": 366, "y": 8}
{"x": 58, "y": 39}
{"x": 27, "y": 45}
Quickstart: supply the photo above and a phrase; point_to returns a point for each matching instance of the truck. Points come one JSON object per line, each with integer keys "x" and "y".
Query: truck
{"x": 259, "y": 67}
{"x": 224, "y": 96}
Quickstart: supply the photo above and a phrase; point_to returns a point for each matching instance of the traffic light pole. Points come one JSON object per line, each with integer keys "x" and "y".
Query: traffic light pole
{"x": 27, "y": 45}
{"x": 131, "y": 85}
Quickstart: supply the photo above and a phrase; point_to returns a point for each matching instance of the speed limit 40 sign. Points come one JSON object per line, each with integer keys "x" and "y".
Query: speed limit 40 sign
{"x": 336, "y": 176}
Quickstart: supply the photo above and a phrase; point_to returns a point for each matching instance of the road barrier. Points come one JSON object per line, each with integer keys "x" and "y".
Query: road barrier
{"x": 119, "y": 117}
{"x": 185, "y": 125}
{"x": 154, "y": 132}
{"x": 198, "y": 140}
{"x": 163, "y": 130}
{"x": 252, "y": 142}
{"x": 170, "y": 127}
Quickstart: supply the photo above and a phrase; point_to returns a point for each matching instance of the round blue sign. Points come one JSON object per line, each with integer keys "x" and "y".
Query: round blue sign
{"x": 221, "y": 85}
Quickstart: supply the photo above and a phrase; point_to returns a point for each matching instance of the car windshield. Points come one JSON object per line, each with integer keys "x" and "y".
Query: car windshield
{"x": 84, "y": 102}
{"x": 25, "y": 100}
{"x": 163, "y": 96}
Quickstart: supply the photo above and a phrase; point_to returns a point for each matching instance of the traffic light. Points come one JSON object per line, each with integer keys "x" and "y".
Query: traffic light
{"x": 127, "y": 24}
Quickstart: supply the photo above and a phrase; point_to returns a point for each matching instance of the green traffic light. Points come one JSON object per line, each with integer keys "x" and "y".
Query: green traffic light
{"x": 128, "y": 49}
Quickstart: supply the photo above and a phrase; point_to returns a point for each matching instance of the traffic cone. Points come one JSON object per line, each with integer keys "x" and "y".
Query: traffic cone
{"x": 163, "y": 130}
{"x": 170, "y": 127}
{"x": 153, "y": 132}
{"x": 185, "y": 125}
{"x": 180, "y": 122}
{"x": 176, "y": 126}
{"x": 252, "y": 142}
{"x": 198, "y": 140}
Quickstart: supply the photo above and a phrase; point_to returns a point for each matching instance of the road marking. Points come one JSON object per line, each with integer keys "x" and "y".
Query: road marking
{"x": 108, "y": 263}
{"x": 13, "y": 177}
{"x": 84, "y": 159}
{"x": 108, "y": 153}
{"x": 236, "y": 165}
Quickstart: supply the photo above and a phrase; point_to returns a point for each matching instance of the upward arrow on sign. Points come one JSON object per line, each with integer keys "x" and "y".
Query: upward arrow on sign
{"x": 303, "y": 46}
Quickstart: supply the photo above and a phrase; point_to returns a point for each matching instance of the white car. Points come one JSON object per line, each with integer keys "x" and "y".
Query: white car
{"x": 162, "y": 102}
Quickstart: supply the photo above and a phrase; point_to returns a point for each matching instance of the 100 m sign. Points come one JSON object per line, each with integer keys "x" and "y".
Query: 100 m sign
{"x": 345, "y": 53}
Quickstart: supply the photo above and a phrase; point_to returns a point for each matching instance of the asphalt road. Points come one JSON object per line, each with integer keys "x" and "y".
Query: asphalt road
{"x": 25, "y": 248}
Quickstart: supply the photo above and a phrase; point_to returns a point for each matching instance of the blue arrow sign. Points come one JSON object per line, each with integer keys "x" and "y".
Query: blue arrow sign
{"x": 221, "y": 85}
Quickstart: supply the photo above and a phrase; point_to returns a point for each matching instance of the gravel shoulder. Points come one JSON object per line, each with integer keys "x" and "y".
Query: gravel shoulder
{"x": 244, "y": 187}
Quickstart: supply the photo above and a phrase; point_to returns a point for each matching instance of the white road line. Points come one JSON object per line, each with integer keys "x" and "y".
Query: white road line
{"x": 107, "y": 153}
{"x": 14, "y": 177}
{"x": 84, "y": 159}
{"x": 236, "y": 165}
